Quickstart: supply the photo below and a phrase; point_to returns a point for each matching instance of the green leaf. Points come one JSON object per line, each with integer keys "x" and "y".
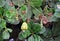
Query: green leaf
{"x": 23, "y": 17}
{"x": 10, "y": 13}
{"x": 1, "y": 10}
{"x": 2, "y": 3}
{"x": 2, "y": 24}
{"x": 57, "y": 13}
{"x": 36, "y": 3}
{"x": 6, "y": 35}
{"x": 47, "y": 33}
{"x": 53, "y": 19}
{"x": 42, "y": 30}
{"x": 36, "y": 28}
{"x": 27, "y": 14}
{"x": 24, "y": 34}
{"x": 37, "y": 11}
{"x": 35, "y": 38}
{"x": 18, "y": 2}
{"x": 10, "y": 30}
{"x": 30, "y": 25}
{"x": 23, "y": 8}
{"x": 31, "y": 38}
{"x": 11, "y": 16}
{"x": 1, "y": 38}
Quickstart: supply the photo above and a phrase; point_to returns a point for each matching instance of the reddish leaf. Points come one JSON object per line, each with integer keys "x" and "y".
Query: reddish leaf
{"x": 44, "y": 20}
{"x": 23, "y": 12}
{"x": 28, "y": 20}
{"x": 50, "y": 14}
{"x": 11, "y": 4}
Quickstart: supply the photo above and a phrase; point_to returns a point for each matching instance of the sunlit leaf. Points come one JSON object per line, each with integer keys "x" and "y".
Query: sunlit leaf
{"x": 35, "y": 38}
{"x": 6, "y": 35}
{"x": 24, "y": 34}
{"x": 36, "y": 3}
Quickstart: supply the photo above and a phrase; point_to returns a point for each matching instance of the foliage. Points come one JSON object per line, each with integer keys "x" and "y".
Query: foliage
{"x": 36, "y": 3}
{"x": 35, "y": 38}
{"x": 37, "y": 15}
{"x": 24, "y": 34}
